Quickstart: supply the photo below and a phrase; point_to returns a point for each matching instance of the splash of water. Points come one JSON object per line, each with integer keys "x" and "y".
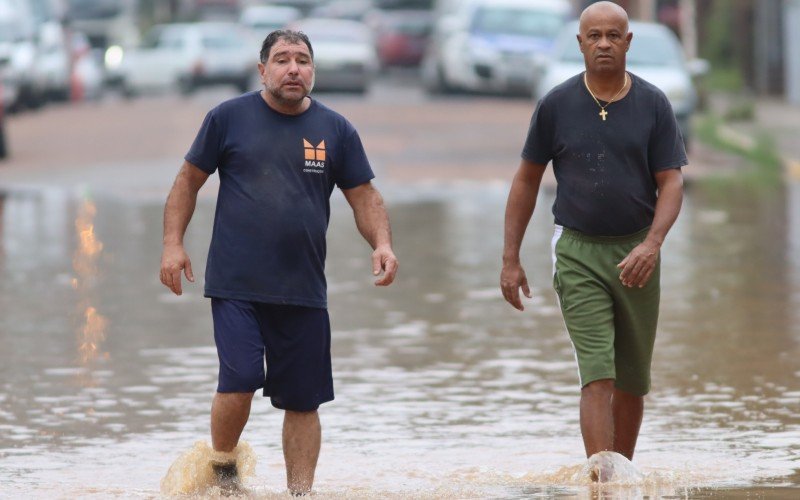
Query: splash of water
{"x": 191, "y": 472}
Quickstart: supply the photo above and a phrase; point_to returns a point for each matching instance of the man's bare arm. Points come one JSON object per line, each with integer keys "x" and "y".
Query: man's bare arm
{"x": 372, "y": 222}
{"x": 519, "y": 209}
{"x": 640, "y": 263}
{"x": 178, "y": 212}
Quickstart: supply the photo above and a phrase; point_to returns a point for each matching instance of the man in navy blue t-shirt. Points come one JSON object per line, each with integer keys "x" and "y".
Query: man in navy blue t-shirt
{"x": 279, "y": 155}
{"x": 617, "y": 155}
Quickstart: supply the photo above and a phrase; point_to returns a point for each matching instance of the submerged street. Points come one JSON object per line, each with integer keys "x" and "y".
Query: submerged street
{"x": 442, "y": 389}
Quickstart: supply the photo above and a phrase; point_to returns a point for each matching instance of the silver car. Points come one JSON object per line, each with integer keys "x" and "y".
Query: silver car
{"x": 188, "y": 56}
{"x": 655, "y": 55}
{"x": 344, "y": 53}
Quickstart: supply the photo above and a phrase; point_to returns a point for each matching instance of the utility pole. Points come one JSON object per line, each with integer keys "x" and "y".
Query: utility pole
{"x": 688, "y": 28}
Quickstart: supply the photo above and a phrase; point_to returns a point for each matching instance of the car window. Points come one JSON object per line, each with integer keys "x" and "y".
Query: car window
{"x": 173, "y": 41}
{"x": 150, "y": 41}
{"x": 94, "y": 9}
{"x": 221, "y": 41}
{"x": 335, "y": 34}
{"x": 516, "y": 21}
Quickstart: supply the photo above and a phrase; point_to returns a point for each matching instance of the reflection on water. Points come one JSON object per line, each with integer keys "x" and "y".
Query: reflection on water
{"x": 442, "y": 390}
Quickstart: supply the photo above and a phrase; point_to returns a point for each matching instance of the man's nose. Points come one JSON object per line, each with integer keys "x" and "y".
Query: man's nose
{"x": 604, "y": 43}
{"x": 293, "y": 67}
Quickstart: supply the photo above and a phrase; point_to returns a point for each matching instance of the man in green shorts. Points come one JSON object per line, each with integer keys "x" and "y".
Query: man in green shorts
{"x": 617, "y": 155}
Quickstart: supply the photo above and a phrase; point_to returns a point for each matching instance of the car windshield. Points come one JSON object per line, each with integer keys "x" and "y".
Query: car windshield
{"x": 647, "y": 49}
{"x": 516, "y": 21}
{"x": 8, "y": 31}
{"x": 336, "y": 34}
{"x": 94, "y": 9}
{"x": 221, "y": 40}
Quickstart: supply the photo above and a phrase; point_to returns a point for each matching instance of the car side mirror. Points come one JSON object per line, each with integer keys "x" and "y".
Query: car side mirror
{"x": 698, "y": 67}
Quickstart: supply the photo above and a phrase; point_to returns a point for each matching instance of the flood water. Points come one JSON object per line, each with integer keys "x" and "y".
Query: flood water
{"x": 442, "y": 389}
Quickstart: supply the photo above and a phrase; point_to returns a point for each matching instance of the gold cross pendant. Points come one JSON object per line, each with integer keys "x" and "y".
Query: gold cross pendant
{"x": 603, "y": 113}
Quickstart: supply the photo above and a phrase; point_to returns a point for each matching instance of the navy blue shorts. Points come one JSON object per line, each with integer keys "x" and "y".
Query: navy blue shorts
{"x": 295, "y": 341}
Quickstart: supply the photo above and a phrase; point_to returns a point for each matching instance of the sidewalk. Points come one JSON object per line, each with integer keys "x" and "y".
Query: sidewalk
{"x": 773, "y": 117}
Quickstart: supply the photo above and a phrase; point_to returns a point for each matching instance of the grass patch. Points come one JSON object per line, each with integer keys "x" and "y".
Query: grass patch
{"x": 722, "y": 79}
{"x": 760, "y": 151}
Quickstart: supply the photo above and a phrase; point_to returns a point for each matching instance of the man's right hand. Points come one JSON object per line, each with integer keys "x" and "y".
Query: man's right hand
{"x": 512, "y": 278}
{"x": 174, "y": 259}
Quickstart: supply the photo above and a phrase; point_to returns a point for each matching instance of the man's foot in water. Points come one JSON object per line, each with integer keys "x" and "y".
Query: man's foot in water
{"x": 227, "y": 478}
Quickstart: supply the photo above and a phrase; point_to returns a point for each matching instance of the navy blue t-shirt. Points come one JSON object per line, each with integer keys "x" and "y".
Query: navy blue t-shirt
{"x": 605, "y": 169}
{"x": 277, "y": 173}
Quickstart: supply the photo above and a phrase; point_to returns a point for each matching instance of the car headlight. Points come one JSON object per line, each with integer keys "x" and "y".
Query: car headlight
{"x": 113, "y": 57}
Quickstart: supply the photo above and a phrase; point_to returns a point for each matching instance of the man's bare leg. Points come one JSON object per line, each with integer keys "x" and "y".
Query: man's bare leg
{"x": 229, "y": 414}
{"x": 302, "y": 435}
{"x": 597, "y": 420}
{"x": 628, "y": 411}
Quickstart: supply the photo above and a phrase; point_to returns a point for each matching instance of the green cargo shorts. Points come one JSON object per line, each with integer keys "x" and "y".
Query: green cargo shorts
{"x": 612, "y": 327}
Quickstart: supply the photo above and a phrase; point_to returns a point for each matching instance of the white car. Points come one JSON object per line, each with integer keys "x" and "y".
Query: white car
{"x": 344, "y": 53}
{"x": 490, "y": 45}
{"x": 655, "y": 55}
{"x": 264, "y": 19}
{"x": 187, "y": 56}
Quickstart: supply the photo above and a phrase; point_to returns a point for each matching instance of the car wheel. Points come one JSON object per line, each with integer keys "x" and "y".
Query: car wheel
{"x": 437, "y": 83}
{"x": 127, "y": 90}
{"x": 186, "y": 85}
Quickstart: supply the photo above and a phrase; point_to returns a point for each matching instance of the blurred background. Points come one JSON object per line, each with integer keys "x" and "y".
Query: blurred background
{"x": 443, "y": 391}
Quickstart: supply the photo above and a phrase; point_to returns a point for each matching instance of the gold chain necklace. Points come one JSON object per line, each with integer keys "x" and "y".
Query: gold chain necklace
{"x": 603, "y": 113}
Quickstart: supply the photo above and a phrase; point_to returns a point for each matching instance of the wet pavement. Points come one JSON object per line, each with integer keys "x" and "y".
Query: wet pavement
{"x": 442, "y": 389}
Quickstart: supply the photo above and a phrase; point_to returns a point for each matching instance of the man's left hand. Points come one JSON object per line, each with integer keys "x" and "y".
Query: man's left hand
{"x": 639, "y": 265}
{"x": 384, "y": 262}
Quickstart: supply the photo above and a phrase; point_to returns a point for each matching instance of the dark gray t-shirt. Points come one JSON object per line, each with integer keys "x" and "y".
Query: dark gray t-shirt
{"x": 277, "y": 173}
{"x": 605, "y": 169}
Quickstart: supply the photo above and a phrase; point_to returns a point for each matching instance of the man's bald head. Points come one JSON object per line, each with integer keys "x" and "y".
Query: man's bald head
{"x": 606, "y": 11}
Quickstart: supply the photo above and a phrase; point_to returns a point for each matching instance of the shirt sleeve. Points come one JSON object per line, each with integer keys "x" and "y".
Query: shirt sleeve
{"x": 206, "y": 150}
{"x": 539, "y": 142}
{"x": 666, "y": 149}
{"x": 353, "y": 169}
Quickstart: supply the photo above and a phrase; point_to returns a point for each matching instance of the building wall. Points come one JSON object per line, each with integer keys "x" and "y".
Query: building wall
{"x": 792, "y": 52}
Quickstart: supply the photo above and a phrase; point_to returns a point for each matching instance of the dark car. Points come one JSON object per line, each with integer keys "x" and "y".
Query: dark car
{"x": 3, "y": 150}
{"x": 401, "y": 36}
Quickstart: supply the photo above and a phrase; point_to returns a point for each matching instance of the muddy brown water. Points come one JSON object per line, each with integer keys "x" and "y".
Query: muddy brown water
{"x": 442, "y": 389}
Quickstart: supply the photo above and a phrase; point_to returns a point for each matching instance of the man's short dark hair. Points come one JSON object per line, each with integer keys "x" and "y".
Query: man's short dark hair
{"x": 289, "y": 36}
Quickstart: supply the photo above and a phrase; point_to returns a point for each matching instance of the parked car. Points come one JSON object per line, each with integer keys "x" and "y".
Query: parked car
{"x": 490, "y": 45}
{"x": 344, "y": 53}
{"x": 264, "y": 19}
{"x": 189, "y": 56}
{"x": 52, "y": 68}
{"x": 8, "y": 80}
{"x": 3, "y": 149}
{"x": 401, "y": 35}
{"x": 655, "y": 55}
{"x": 353, "y": 10}
{"x": 18, "y": 47}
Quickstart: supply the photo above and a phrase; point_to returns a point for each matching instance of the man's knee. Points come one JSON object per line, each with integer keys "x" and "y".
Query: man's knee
{"x": 598, "y": 387}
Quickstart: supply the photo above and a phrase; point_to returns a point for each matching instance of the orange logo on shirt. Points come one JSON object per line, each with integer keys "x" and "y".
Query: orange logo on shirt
{"x": 314, "y": 153}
